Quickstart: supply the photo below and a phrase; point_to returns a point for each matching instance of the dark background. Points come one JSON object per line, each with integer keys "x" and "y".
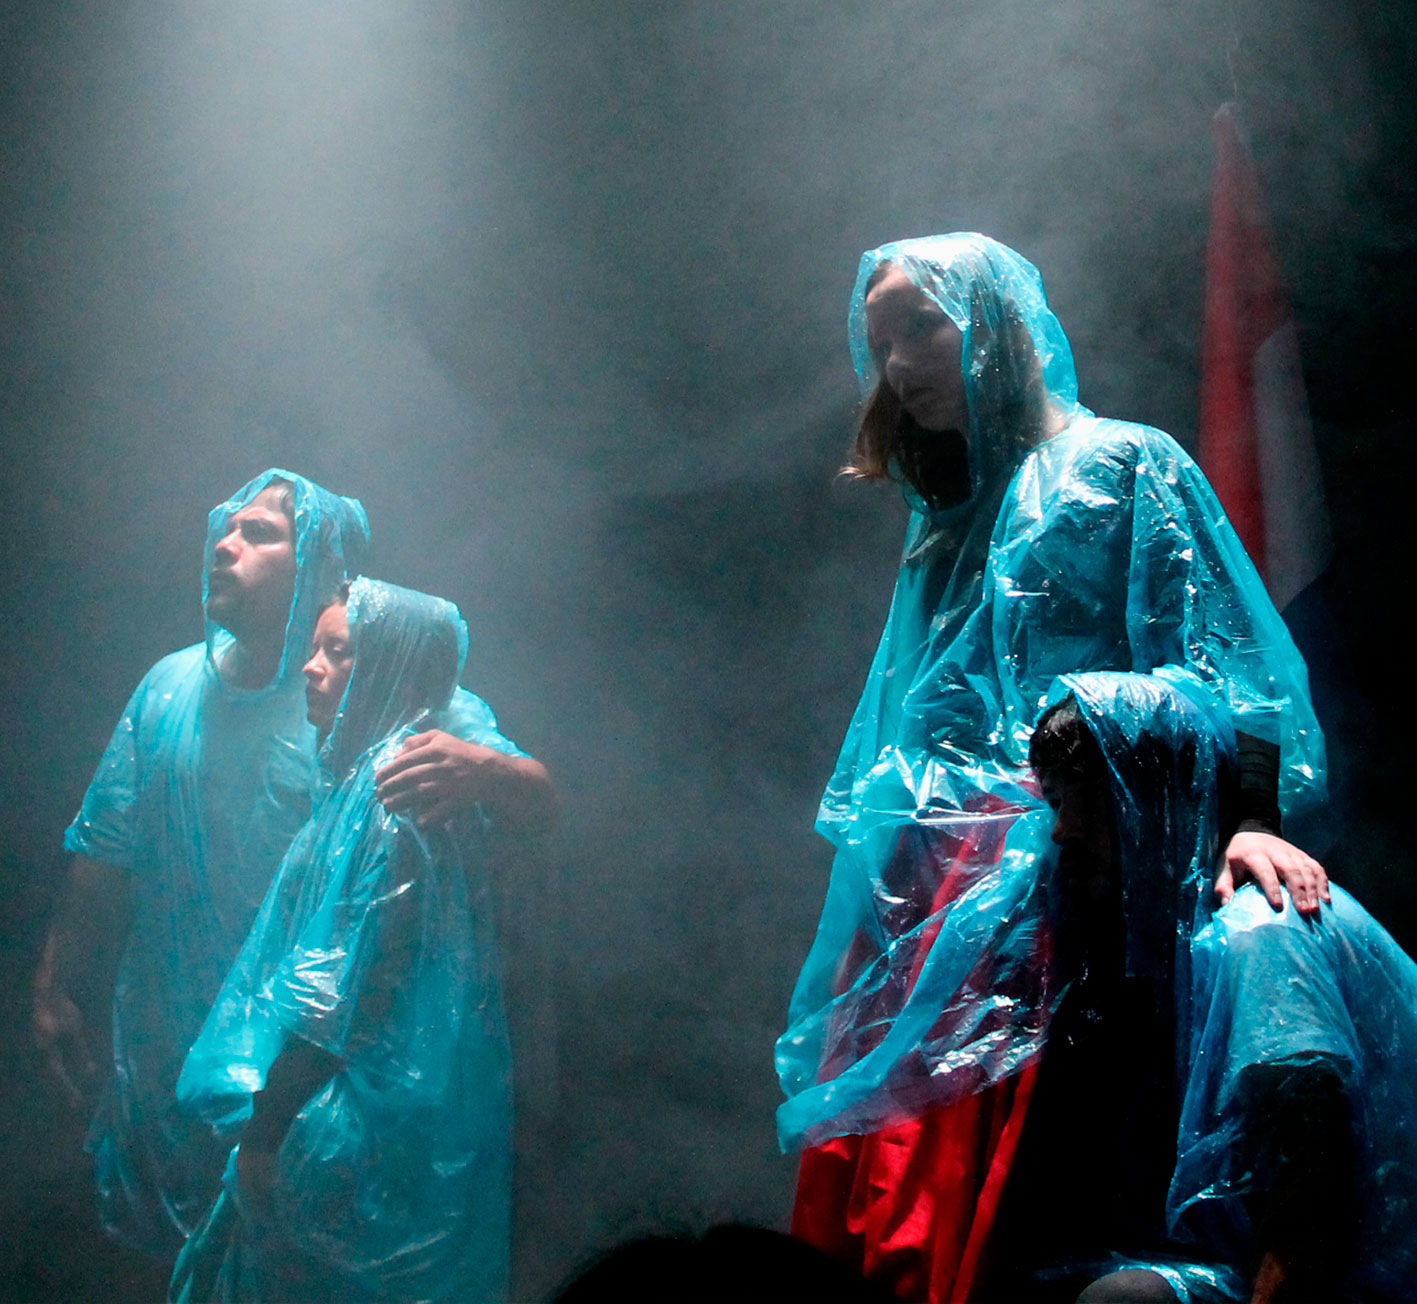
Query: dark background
{"x": 559, "y": 290}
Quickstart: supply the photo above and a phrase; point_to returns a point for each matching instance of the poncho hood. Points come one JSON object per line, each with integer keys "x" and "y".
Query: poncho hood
{"x": 331, "y": 544}
{"x": 1014, "y": 347}
{"x": 409, "y": 649}
{"x": 1169, "y": 757}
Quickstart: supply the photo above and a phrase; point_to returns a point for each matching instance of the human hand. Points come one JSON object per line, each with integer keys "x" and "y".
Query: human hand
{"x": 64, "y": 1044}
{"x": 1269, "y": 861}
{"x": 436, "y": 776}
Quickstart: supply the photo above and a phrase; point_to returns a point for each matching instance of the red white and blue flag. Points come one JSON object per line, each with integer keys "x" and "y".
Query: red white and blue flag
{"x": 1256, "y": 444}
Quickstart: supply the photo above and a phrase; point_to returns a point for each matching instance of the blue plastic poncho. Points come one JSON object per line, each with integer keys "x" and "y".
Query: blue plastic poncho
{"x": 1084, "y": 544}
{"x": 197, "y": 796}
{"x": 374, "y": 943}
{"x": 1251, "y": 987}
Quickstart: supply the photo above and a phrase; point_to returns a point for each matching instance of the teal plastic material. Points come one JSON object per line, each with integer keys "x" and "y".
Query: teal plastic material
{"x": 197, "y": 796}
{"x": 1252, "y": 987}
{"x": 1097, "y": 545}
{"x": 375, "y": 942}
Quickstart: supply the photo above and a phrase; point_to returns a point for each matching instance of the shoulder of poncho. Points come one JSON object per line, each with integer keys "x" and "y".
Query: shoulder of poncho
{"x": 176, "y": 668}
{"x": 1091, "y": 447}
{"x": 1109, "y": 437}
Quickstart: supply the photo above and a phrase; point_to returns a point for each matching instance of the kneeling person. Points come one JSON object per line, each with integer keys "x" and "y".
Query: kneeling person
{"x": 1221, "y": 1109}
{"x": 358, "y": 1043}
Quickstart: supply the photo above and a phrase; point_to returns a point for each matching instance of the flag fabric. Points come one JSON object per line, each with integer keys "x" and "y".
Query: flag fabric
{"x": 1256, "y": 443}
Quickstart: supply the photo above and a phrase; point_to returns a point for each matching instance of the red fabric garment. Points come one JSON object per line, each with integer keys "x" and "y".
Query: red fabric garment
{"x": 911, "y": 1207}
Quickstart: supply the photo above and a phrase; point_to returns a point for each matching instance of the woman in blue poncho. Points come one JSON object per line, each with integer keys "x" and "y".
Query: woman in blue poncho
{"x": 1043, "y": 540}
{"x": 358, "y": 1043}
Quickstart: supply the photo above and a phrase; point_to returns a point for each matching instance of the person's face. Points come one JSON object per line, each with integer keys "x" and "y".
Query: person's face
{"x": 918, "y": 349}
{"x": 1084, "y": 831}
{"x": 253, "y": 570}
{"x": 327, "y": 671}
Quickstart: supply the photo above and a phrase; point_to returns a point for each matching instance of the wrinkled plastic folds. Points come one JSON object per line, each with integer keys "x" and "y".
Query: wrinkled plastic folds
{"x": 375, "y": 942}
{"x": 1253, "y": 987}
{"x": 197, "y": 796}
{"x": 1090, "y": 544}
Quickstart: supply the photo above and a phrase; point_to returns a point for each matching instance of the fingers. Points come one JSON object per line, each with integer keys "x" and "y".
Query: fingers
{"x": 1307, "y": 884}
{"x": 1272, "y": 861}
{"x": 1303, "y": 890}
{"x": 407, "y": 756}
{"x": 59, "y": 1074}
{"x": 59, "y": 1033}
{"x": 411, "y": 778}
{"x": 419, "y": 796}
{"x": 1224, "y": 885}
{"x": 439, "y": 812}
{"x": 70, "y": 1066}
{"x": 1266, "y": 879}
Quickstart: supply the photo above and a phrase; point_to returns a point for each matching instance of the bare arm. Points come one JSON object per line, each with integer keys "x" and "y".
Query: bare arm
{"x": 300, "y": 1071}
{"x": 72, "y": 998}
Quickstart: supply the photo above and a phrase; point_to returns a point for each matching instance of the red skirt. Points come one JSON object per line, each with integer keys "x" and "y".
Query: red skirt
{"x": 910, "y": 1207}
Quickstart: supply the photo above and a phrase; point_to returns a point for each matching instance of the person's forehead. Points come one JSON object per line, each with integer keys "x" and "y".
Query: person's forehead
{"x": 266, "y": 505}
{"x": 890, "y": 283}
{"x": 334, "y": 619}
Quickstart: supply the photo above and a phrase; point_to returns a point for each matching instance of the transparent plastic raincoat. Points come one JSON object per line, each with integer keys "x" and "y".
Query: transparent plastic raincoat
{"x": 1246, "y": 987}
{"x": 375, "y": 944}
{"x": 197, "y": 796}
{"x": 1084, "y": 544}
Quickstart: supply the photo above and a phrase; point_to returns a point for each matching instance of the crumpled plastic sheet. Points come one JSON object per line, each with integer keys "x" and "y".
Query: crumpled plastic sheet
{"x": 197, "y": 796}
{"x": 374, "y": 942}
{"x": 1275, "y": 989}
{"x": 1252, "y": 987}
{"x": 1102, "y": 547}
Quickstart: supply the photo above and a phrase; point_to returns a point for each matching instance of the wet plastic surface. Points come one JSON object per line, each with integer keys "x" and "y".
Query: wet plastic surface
{"x": 374, "y": 943}
{"x": 197, "y": 795}
{"x": 1101, "y": 547}
{"x": 1253, "y": 988}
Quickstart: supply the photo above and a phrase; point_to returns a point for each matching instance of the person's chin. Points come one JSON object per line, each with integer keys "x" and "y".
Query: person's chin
{"x": 935, "y": 422}
{"x": 223, "y": 604}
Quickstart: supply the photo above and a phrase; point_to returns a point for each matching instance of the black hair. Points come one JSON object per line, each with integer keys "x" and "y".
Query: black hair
{"x": 1062, "y": 743}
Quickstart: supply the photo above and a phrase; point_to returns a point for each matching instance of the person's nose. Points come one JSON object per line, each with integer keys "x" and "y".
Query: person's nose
{"x": 313, "y": 670}
{"x": 228, "y": 547}
{"x": 897, "y": 368}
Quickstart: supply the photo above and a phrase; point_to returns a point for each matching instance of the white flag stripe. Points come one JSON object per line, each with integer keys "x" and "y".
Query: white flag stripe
{"x": 1298, "y": 541}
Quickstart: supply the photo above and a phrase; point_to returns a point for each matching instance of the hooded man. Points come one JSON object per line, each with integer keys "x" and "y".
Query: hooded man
{"x": 205, "y": 781}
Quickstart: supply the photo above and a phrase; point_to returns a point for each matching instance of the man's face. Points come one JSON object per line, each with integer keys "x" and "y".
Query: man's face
{"x": 1084, "y": 829}
{"x": 328, "y": 670}
{"x": 253, "y": 571}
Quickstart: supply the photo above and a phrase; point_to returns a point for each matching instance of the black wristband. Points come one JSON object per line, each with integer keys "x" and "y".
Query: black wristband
{"x": 1257, "y": 795}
